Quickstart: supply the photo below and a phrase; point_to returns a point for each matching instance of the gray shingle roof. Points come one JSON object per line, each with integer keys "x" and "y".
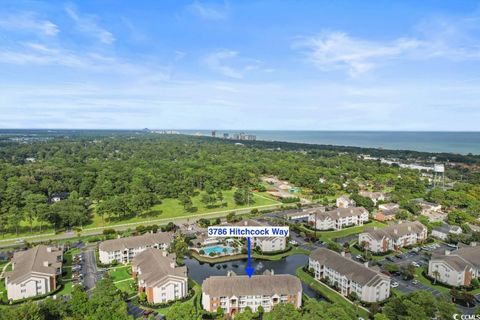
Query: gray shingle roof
{"x": 157, "y": 264}
{"x": 266, "y": 284}
{"x": 396, "y": 231}
{"x": 147, "y": 239}
{"x": 32, "y": 261}
{"x": 461, "y": 258}
{"x": 352, "y": 270}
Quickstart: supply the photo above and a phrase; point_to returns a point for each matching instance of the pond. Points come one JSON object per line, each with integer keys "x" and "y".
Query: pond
{"x": 199, "y": 271}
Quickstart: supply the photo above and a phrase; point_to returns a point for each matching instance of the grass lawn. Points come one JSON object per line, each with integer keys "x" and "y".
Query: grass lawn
{"x": 168, "y": 209}
{"x": 127, "y": 286}
{"x": 123, "y": 279}
{"x": 330, "y": 235}
{"x": 171, "y": 208}
{"x": 328, "y": 293}
{"x": 419, "y": 276}
{"x": 3, "y": 290}
{"x": 67, "y": 271}
{"x": 120, "y": 273}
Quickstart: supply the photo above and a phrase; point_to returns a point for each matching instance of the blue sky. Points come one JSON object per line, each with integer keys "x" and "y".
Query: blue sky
{"x": 287, "y": 65}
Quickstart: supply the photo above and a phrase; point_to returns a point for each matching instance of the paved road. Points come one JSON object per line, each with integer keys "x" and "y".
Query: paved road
{"x": 6, "y": 243}
{"x": 89, "y": 270}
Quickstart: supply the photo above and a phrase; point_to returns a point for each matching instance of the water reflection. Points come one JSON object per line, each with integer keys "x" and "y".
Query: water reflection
{"x": 199, "y": 271}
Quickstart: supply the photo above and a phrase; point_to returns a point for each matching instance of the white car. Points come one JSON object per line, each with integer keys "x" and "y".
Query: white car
{"x": 394, "y": 284}
{"x": 415, "y": 264}
{"x": 358, "y": 257}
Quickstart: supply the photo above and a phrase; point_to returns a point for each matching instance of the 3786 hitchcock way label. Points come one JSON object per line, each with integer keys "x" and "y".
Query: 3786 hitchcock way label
{"x": 244, "y": 231}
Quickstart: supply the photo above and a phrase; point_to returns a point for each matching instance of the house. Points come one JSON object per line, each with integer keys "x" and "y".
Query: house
{"x": 387, "y": 211}
{"x": 442, "y": 232}
{"x": 349, "y": 276}
{"x": 234, "y": 293}
{"x": 123, "y": 250}
{"x": 393, "y": 237}
{"x": 388, "y": 206}
{"x": 56, "y": 197}
{"x": 345, "y": 202}
{"x": 374, "y": 196}
{"x": 428, "y": 207}
{"x": 159, "y": 276}
{"x": 35, "y": 272}
{"x": 338, "y": 218}
{"x": 265, "y": 244}
{"x": 456, "y": 268}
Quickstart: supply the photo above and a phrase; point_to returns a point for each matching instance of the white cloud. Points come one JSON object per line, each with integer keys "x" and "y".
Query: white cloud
{"x": 217, "y": 62}
{"x": 28, "y": 21}
{"x": 229, "y": 64}
{"x": 337, "y": 50}
{"x": 209, "y": 11}
{"x": 88, "y": 25}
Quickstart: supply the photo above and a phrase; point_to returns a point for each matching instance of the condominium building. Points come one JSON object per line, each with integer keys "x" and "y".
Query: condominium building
{"x": 456, "y": 268}
{"x": 123, "y": 250}
{"x": 159, "y": 276}
{"x": 345, "y": 202}
{"x": 265, "y": 244}
{"x": 374, "y": 196}
{"x": 338, "y": 219}
{"x": 234, "y": 293}
{"x": 349, "y": 276}
{"x": 393, "y": 237}
{"x": 34, "y": 273}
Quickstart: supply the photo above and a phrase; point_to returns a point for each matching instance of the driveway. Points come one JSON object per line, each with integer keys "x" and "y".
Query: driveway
{"x": 89, "y": 270}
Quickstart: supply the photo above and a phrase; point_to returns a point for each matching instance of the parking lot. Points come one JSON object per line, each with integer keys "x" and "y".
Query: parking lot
{"x": 77, "y": 266}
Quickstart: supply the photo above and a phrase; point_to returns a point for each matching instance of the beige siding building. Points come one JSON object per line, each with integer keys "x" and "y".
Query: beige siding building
{"x": 374, "y": 196}
{"x": 456, "y": 268}
{"x": 123, "y": 250}
{"x": 349, "y": 276}
{"x": 234, "y": 293}
{"x": 344, "y": 202}
{"x": 393, "y": 237}
{"x": 159, "y": 277}
{"x": 265, "y": 244}
{"x": 34, "y": 273}
{"x": 339, "y": 218}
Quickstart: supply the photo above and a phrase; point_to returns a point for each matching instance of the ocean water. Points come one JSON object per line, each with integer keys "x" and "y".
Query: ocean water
{"x": 451, "y": 142}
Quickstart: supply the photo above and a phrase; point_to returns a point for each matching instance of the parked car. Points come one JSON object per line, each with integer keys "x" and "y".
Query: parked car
{"x": 415, "y": 264}
{"x": 394, "y": 284}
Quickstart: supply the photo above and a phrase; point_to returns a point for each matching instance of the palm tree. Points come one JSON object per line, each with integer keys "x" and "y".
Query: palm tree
{"x": 468, "y": 298}
{"x": 436, "y": 275}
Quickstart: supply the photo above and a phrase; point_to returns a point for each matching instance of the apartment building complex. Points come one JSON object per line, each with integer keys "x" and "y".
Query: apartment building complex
{"x": 344, "y": 202}
{"x": 234, "y": 293}
{"x": 349, "y": 276}
{"x": 34, "y": 273}
{"x": 456, "y": 268}
{"x": 265, "y": 244}
{"x": 338, "y": 218}
{"x": 159, "y": 276}
{"x": 123, "y": 250}
{"x": 393, "y": 237}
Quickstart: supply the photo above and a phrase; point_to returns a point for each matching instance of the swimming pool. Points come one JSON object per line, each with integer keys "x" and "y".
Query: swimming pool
{"x": 217, "y": 250}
